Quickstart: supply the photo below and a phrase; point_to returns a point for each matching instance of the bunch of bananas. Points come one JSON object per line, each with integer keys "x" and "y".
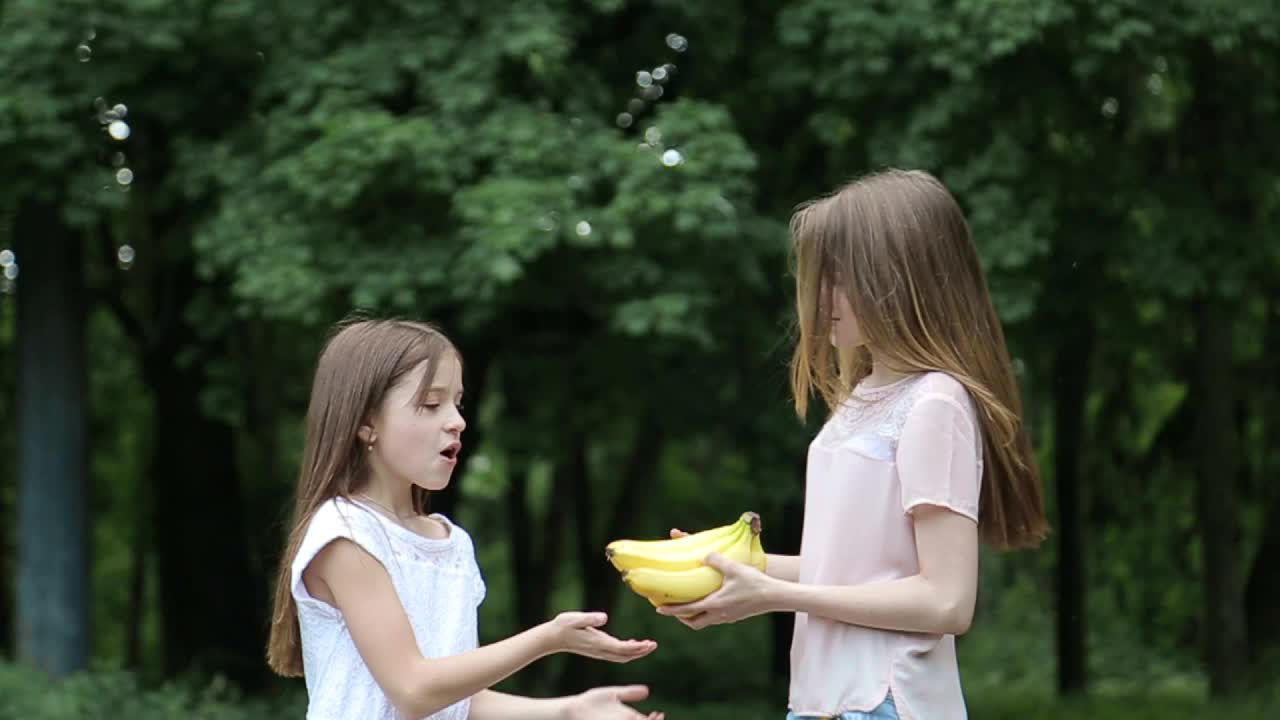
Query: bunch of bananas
{"x": 670, "y": 572}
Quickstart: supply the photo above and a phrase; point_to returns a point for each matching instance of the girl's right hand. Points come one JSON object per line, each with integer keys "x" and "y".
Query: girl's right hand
{"x": 609, "y": 703}
{"x": 580, "y": 633}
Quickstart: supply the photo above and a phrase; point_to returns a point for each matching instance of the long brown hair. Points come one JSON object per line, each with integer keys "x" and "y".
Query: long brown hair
{"x": 897, "y": 244}
{"x": 361, "y": 362}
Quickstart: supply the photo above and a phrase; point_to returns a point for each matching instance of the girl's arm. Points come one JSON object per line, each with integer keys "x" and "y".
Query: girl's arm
{"x": 783, "y": 567}
{"x": 939, "y": 599}
{"x": 598, "y": 704}
{"x": 419, "y": 686}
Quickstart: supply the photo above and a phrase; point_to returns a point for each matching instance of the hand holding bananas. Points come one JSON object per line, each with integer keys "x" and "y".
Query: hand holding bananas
{"x": 688, "y": 568}
{"x": 580, "y": 633}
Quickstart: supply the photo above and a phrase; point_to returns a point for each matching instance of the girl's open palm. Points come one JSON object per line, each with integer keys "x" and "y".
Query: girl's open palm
{"x": 580, "y": 633}
{"x": 610, "y": 703}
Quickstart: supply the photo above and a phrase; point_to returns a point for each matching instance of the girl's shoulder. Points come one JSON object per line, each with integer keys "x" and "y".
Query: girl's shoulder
{"x": 937, "y": 383}
{"x": 342, "y": 518}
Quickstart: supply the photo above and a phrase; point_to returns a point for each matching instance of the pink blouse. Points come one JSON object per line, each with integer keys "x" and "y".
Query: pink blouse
{"x": 885, "y": 451}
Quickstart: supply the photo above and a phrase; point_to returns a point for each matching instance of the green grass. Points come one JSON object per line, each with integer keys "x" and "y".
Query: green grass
{"x": 26, "y": 695}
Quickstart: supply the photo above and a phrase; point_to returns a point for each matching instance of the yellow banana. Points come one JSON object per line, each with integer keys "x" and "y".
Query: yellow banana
{"x": 668, "y": 585}
{"x": 672, "y": 554}
{"x": 758, "y": 558}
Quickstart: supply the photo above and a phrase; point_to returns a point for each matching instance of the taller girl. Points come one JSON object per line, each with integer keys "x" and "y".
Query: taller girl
{"x": 923, "y": 454}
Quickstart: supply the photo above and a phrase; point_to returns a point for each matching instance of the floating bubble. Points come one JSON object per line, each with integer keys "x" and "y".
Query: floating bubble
{"x": 11, "y": 271}
{"x": 624, "y": 120}
{"x": 7, "y": 286}
{"x": 644, "y": 79}
{"x": 1155, "y": 84}
{"x": 125, "y": 254}
{"x": 1110, "y": 107}
{"x": 583, "y": 228}
{"x": 120, "y": 111}
{"x": 653, "y": 135}
{"x": 118, "y": 159}
{"x": 672, "y": 158}
{"x": 677, "y": 42}
{"x": 635, "y": 106}
{"x": 660, "y": 74}
{"x": 1162, "y": 65}
{"x": 547, "y": 223}
{"x": 119, "y": 129}
{"x": 6, "y": 258}
{"x": 653, "y": 92}
{"x": 576, "y": 182}
{"x": 100, "y": 104}
{"x": 124, "y": 176}
{"x": 83, "y": 52}
{"x": 90, "y": 34}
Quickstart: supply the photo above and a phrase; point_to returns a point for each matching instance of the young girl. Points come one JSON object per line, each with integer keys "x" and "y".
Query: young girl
{"x": 923, "y": 453}
{"x": 376, "y": 601}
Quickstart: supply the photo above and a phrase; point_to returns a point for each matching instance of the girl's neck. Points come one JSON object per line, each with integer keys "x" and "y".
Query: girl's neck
{"x": 882, "y": 374}
{"x": 396, "y": 502}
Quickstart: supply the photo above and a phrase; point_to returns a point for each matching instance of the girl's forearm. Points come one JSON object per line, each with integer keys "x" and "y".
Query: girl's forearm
{"x": 441, "y": 682}
{"x": 783, "y": 567}
{"x": 492, "y": 705}
{"x": 911, "y": 604}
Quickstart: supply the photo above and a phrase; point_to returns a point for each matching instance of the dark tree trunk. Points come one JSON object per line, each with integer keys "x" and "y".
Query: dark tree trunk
{"x": 599, "y": 580}
{"x": 786, "y": 530}
{"x": 1071, "y": 384}
{"x": 1218, "y": 465}
{"x": 1262, "y": 593}
{"x": 210, "y": 615}
{"x": 52, "y": 617}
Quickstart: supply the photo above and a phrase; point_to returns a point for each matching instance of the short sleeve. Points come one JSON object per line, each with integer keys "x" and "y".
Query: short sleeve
{"x": 333, "y": 521}
{"x": 939, "y": 454}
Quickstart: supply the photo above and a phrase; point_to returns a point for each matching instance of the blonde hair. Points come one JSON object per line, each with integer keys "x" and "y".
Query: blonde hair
{"x": 361, "y": 362}
{"x": 897, "y": 244}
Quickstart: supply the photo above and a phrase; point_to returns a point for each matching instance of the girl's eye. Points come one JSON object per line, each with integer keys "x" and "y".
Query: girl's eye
{"x": 429, "y": 406}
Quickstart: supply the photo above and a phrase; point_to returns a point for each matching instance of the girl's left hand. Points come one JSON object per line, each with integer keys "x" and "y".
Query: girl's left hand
{"x": 609, "y": 703}
{"x": 742, "y": 595}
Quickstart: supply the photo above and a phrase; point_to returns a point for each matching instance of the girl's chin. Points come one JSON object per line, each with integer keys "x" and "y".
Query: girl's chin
{"x": 434, "y": 484}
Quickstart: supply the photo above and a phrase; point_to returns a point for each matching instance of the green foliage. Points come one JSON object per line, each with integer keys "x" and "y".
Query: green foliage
{"x": 465, "y": 163}
{"x": 30, "y": 696}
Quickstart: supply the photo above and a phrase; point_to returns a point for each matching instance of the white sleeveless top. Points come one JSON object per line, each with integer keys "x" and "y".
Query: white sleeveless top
{"x": 439, "y": 585}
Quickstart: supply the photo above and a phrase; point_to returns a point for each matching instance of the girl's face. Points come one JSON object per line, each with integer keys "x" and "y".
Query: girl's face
{"x": 844, "y": 329}
{"x": 417, "y": 441}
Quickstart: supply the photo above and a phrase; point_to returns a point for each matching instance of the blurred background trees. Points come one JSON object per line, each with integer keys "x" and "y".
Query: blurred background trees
{"x": 591, "y": 198}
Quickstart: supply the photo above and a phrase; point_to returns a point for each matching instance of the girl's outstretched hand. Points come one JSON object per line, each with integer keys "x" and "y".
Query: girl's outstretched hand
{"x": 609, "y": 703}
{"x": 740, "y": 596}
{"x": 580, "y": 633}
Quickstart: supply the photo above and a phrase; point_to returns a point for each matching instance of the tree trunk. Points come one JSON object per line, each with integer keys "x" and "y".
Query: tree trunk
{"x": 211, "y": 619}
{"x": 599, "y": 580}
{"x": 1071, "y": 374}
{"x": 53, "y": 631}
{"x": 1217, "y": 474}
{"x": 137, "y": 592}
{"x": 786, "y": 532}
{"x": 1262, "y": 593}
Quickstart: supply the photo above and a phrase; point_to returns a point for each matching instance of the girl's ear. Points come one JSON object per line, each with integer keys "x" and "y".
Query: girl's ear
{"x": 365, "y": 433}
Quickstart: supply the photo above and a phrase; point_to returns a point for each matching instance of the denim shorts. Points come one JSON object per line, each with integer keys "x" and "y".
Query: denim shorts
{"x": 884, "y": 711}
